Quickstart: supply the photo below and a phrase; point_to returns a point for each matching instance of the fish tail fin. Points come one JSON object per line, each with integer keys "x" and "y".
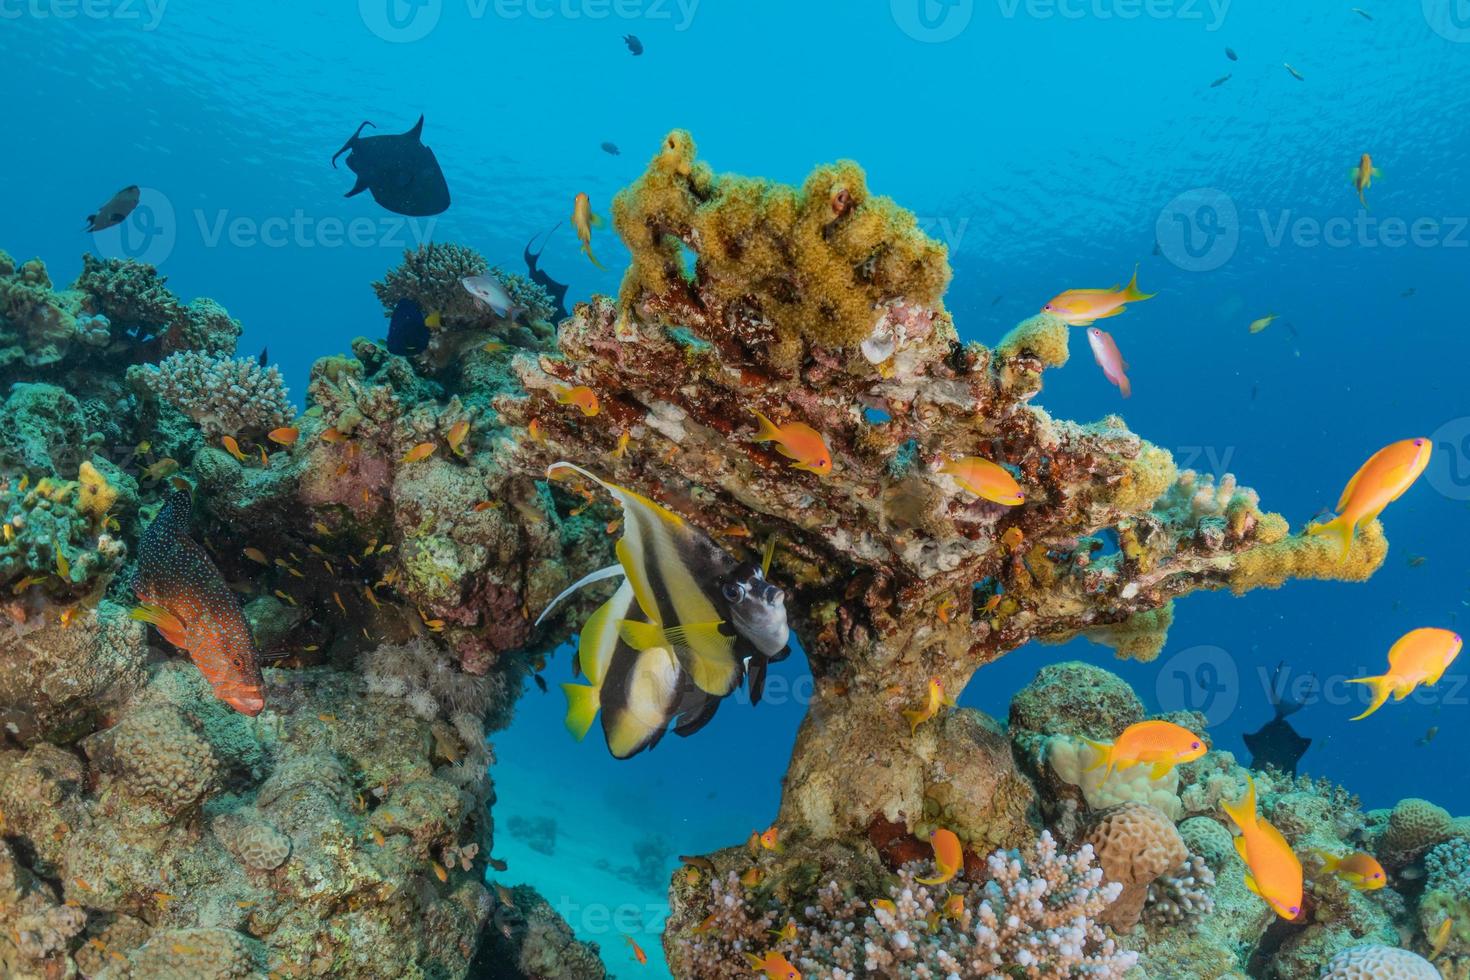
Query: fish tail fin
{"x": 1329, "y": 860}
{"x": 1132, "y": 293}
{"x": 1243, "y": 812}
{"x": 755, "y": 961}
{"x": 768, "y": 431}
{"x": 587, "y": 251}
{"x": 1103, "y": 751}
{"x": 582, "y": 706}
{"x": 1340, "y": 530}
{"x": 1381, "y": 686}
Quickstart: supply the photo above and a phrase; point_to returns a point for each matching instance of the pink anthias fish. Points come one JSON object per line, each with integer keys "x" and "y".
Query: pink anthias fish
{"x": 1110, "y": 359}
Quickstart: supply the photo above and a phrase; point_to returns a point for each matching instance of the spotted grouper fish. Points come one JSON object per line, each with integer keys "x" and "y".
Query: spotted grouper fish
{"x": 186, "y": 598}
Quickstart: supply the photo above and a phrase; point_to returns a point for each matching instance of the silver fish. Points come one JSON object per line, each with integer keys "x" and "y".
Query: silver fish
{"x": 489, "y": 292}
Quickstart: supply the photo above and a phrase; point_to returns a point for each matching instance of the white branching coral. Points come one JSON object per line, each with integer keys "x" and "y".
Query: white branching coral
{"x": 1035, "y": 917}
{"x": 225, "y": 396}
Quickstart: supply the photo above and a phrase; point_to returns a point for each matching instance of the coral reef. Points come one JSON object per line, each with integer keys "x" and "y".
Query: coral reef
{"x": 224, "y": 396}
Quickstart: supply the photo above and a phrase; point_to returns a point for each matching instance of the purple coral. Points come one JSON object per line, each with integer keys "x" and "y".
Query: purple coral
{"x": 225, "y": 396}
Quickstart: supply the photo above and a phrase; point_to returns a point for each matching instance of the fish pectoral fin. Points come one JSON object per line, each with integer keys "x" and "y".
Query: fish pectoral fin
{"x": 1241, "y": 850}
{"x": 1112, "y": 313}
{"x": 1159, "y": 770}
{"x": 708, "y": 655}
{"x": 642, "y": 636}
{"x": 165, "y": 622}
{"x": 359, "y": 187}
{"x": 1250, "y": 882}
{"x": 595, "y": 221}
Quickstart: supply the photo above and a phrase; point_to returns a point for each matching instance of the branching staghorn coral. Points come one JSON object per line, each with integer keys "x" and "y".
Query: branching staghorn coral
{"x": 745, "y": 297}
{"x": 225, "y": 396}
{"x": 1034, "y": 917}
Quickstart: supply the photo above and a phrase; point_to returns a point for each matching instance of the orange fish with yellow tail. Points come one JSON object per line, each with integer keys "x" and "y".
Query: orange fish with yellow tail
{"x": 1363, "y": 175}
{"x": 1273, "y": 871}
{"x": 1383, "y": 479}
{"x": 986, "y": 480}
{"x": 799, "y": 442}
{"x": 1359, "y": 869}
{"x": 1160, "y": 745}
{"x": 1082, "y": 307}
{"x": 581, "y": 396}
{"x": 773, "y": 966}
{"x": 583, "y": 221}
{"x": 186, "y": 598}
{"x": 949, "y": 856}
{"x": 1420, "y": 656}
{"x": 934, "y": 699}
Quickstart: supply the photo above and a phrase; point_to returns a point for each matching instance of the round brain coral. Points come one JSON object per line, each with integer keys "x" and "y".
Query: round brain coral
{"x": 160, "y": 757}
{"x": 198, "y": 954}
{"x": 1135, "y": 844}
{"x": 255, "y": 842}
{"x": 1414, "y": 826}
{"x": 1378, "y": 963}
{"x": 1074, "y": 698}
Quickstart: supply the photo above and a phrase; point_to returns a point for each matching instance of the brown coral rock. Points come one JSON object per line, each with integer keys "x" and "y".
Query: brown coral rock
{"x": 1135, "y": 844}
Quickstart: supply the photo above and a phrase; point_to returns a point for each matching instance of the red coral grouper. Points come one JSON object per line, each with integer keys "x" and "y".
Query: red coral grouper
{"x": 186, "y": 598}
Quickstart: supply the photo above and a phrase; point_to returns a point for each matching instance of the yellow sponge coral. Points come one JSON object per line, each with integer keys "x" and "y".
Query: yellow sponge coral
{"x": 1299, "y": 556}
{"x": 95, "y": 496}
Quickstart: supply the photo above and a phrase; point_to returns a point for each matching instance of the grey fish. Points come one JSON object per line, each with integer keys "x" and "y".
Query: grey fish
{"x": 1230, "y": 53}
{"x": 116, "y": 210}
{"x": 634, "y": 45}
{"x": 612, "y": 148}
{"x": 1294, "y": 73}
{"x": 1220, "y": 81}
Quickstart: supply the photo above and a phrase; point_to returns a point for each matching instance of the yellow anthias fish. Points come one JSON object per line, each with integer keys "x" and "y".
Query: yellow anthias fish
{"x": 1258, "y": 325}
{"x": 1440, "y": 939}
{"x": 1382, "y": 480}
{"x": 1272, "y": 870}
{"x": 797, "y": 441}
{"x": 1419, "y": 657}
{"x": 1161, "y": 745}
{"x": 1362, "y": 176}
{"x": 774, "y": 966}
{"x": 583, "y": 221}
{"x": 1080, "y": 307}
{"x": 884, "y": 905}
{"x": 420, "y": 452}
{"x": 232, "y": 447}
{"x": 787, "y": 933}
{"x": 986, "y": 480}
{"x": 771, "y": 839}
{"x": 458, "y": 432}
{"x": 933, "y": 701}
{"x": 949, "y": 856}
{"x": 1360, "y": 870}
{"x": 581, "y": 396}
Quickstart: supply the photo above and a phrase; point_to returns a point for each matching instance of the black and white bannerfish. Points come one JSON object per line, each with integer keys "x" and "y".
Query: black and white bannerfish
{"x": 686, "y": 625}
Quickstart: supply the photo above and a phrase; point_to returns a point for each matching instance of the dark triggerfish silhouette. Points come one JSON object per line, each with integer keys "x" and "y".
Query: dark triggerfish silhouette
{"x": 184, "y": 596}
{"x": 1276, "y": 743}
{"x": 556, "y": 290}
{"x": 116, "y": 210}
{"x": 400, "y": 171}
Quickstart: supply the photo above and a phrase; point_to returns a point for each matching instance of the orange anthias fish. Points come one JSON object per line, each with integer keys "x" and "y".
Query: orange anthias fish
{"x": 581, "y": 396}
{"x": 638, "y": 953}
{"x": 1162, "y": 745}
{"x": 986, "y": 480}
{"x": 420, "y": 452}
{"x": 774, "y": 965}
{"x": 1382, "y": 480}
{"x": 1360, "y": 870}
{"x": 949, "y": 856}
{"x": 1080, "y": 307}
{"x": 583, "y": 221}
{"x": 1272, "y": 870}
{"x": 1363, "y": 175}
{"x": 286, "y": 435}
{"x": 771, "y": 839}
{"x": 1419, "y": 657}
{"x": 797, "y": 441}
{"x": 185, "y": 597}
{"x": 458, "y": 432}
{"x": 933, "y": 701}
{"x": 232, "y": 447}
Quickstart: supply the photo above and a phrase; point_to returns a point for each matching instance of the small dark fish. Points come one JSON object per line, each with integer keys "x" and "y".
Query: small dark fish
{"x": 1428, "y": 736}
{"x": 634, "y": 45}
{"x": 1255, "y": 390}
{"x": 557, "y": 290}
{"x": 399, "y": 170}
{"x": 1407, "y": 293}
{"x": 1362, "y": 13}
{"x": 612, "y": 148}
{"x": 540, "y": 682}
{"x": 497, "y": 863}
{"x": 1220, "y": 81}
{"x": 265, "y": 357}
{"x": 1416, "y": 560}
{"x": 115, "y": 211}
{"x": 996, "y": 300}
{"x": 1230, "y": 53}
{"x": 1276, "y": 743}
{"x": 407, "y": 331}
{"x": 1294, "y": 73}
{"x": 702, "y": 863}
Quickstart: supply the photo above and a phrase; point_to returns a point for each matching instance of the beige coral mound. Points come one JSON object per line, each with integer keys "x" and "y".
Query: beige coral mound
{"x": 1135, "y": 844}
{"x": 1379, "y": 963}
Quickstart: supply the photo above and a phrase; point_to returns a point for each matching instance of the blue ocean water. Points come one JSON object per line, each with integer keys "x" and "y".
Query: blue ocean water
{"x": 1051, "y": 143}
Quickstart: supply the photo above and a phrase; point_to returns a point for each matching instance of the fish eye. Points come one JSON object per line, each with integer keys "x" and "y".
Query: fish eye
{"x": 1294, "y": 910}
{"x": 1046, "y": 308}
{"x": 1194, "y": 745}
{"x": 733, "y": 591}
{"x": 1418, "y": 442}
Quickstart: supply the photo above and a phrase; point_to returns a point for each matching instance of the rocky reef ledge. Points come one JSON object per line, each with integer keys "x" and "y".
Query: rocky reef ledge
{"x": 392, "y": 544}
